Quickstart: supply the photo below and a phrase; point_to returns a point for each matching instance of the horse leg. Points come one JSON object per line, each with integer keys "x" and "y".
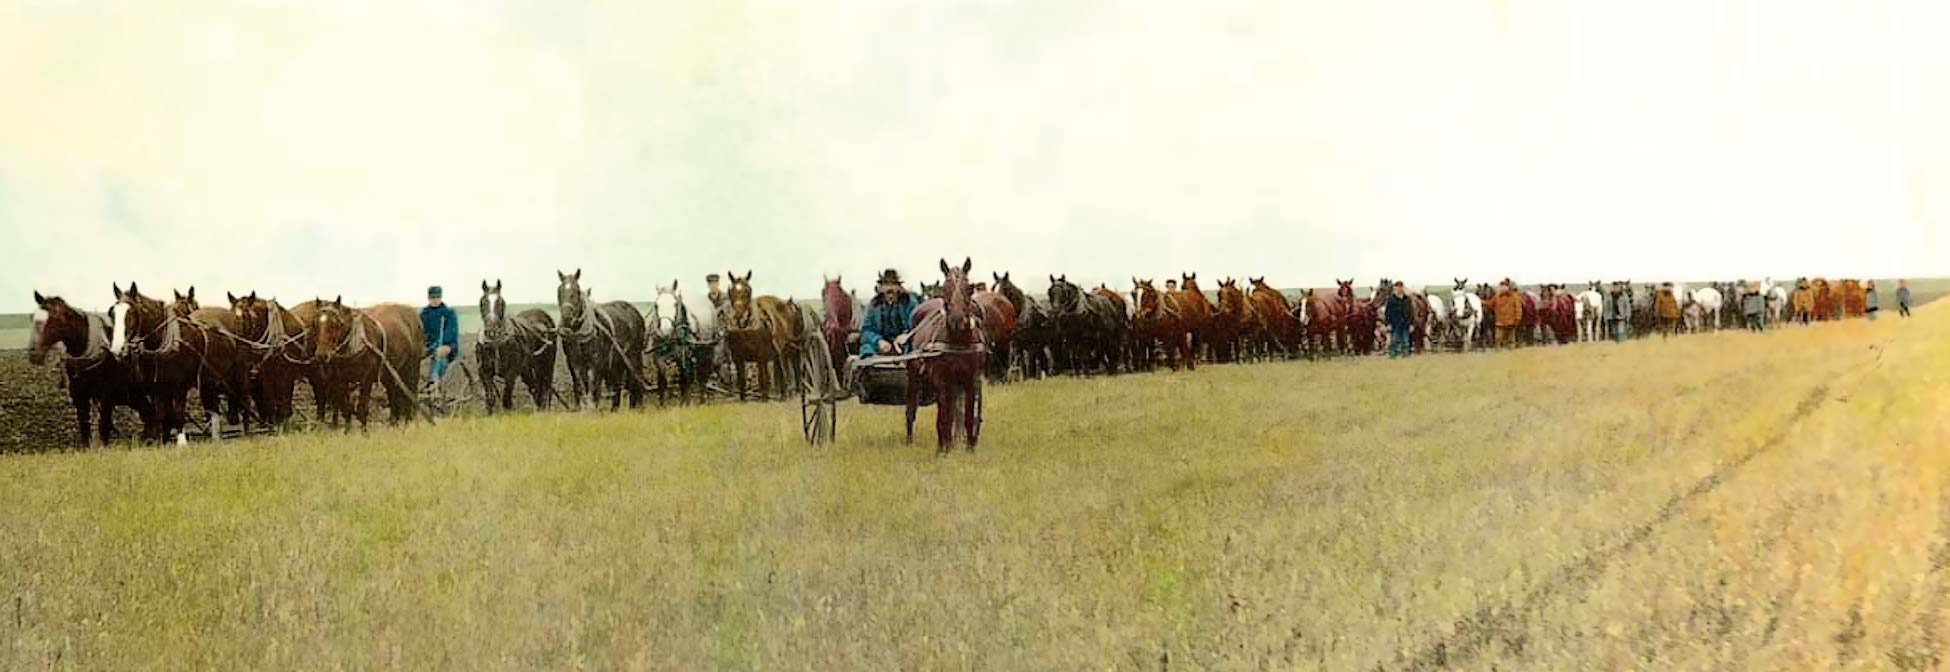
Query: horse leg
{"x": 913, "y": 397}
{"x": 83, "y": 409}
{"x": 739, "y": 365}
{"x": 971, "y": 418}
{"x": 944, "y": 410}
{"x": 1190, "y": 352}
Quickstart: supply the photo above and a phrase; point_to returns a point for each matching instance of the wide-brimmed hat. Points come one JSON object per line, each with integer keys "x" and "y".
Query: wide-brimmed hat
{"x": 889, "y": 277}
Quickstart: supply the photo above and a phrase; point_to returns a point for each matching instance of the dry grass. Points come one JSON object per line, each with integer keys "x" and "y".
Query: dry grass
{"x": 1733, "y": 500}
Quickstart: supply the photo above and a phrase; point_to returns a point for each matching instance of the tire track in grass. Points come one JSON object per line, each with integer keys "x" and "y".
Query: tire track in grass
{"x": 1504, "y": 621}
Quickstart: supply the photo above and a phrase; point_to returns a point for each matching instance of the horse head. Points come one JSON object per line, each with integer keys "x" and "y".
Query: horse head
{"x": 132, "y": 314}
{"x": 1345, "y": 291}
{"x": 184, "y": 304}
{"x": 1008, "y": 289}
{"x": 56, "y": 322}
{"x": 738, "y": 300}
{"x": 335, "y": 322}
{"x": 570, "y": 302}
{"x": 1144, "y": 297}
{"x": 494, "y": 310}
{"x": 1461, "y": 283}
{"x": 1064, "y": 297}
{"x": 957, "y": 300}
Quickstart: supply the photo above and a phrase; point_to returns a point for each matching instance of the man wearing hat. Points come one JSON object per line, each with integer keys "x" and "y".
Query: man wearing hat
{"x": 442, "y": 329}
{"x": 889, "y": 318}
{"x": 1507, "y": 307}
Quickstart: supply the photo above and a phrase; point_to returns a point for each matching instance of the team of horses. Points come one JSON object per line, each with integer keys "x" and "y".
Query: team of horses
{"x": 244, "y": 360}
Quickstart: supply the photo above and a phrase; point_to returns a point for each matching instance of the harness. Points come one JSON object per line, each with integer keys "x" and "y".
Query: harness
{"x": 95, "y": 353}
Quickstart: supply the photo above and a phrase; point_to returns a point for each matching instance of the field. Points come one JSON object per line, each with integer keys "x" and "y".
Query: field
{"x": 1767, "y": 501}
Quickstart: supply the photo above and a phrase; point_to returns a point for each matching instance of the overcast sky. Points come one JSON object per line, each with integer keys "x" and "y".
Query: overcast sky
{"x": 373, "y": 148}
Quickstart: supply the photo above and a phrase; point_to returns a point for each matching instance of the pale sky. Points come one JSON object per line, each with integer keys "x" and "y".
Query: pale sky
{"x": 372, "y": 148}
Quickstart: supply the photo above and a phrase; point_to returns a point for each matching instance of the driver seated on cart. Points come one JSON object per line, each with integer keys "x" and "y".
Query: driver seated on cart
{"x": 890, "y": 318}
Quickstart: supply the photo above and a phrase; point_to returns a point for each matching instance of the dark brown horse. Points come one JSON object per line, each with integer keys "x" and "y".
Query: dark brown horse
{"x": 155, "y": 345}
{"x": 762, "y": 331}
{"x": 510, "y": 350}
{"x": 97, "y": 382}
{"x": 1273, "y": 324}
{"x": 357, "y": 348}
{"x": 276, "y": 345}
{"x": 952, "y": 328}
{"x": 225, "y": 377}
{"x": 1160, "y": 319}
{"x": 603, "y": 342}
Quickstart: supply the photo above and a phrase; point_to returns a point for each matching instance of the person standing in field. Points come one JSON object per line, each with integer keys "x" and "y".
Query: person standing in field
{"x": 1870, "y": 304}
{"x": 1667, "y": 307}
{"x": 1620, "y": 306}
{"x": 1507, "y": 306}
{"x": 442, "y": 329}
{"x": 1902, "y": 297}
{"x": 1399, "y": 318}
{"x": 1753, "y": 305}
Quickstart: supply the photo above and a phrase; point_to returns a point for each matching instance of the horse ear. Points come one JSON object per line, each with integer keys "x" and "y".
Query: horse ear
{"x": 484, "y": 288}
{"x": 337, "y": 300}
{"x": 561, "y": 277}
{"x": 967, "y": 264}
{"x": 497, "y": 285}
{"x": 232, "y": 297}
{"x": 578, "y": 275}
{"x": 673, "y": 284}
{"x": 39, "y": 300}
{"x": 944, "y": 266}
{"x": 748, "y": 276}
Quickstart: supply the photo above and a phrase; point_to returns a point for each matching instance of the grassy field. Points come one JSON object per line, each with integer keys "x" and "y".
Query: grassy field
{"x": 1762, "y": 501}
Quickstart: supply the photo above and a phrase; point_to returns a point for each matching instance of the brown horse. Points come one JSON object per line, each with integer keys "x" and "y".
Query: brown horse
{"x": 1230, "y": 322}
{"x": 1854, "y": 300}
{"x": 762, "y": 331}
{"x": 97, "y": 382}
{"x": 1160, "y": 319}
{"x": 841, "y": 326}
{"x": 1825, "y": 301}
{"x": 1323, "y": 320}
{"x": 1273, "y": 327}
{"x": 1197, "y": 311}
{"x": 357, "y": 348}
{"x": 224, "y": 376}
{"x": 154, "y": 344}
{"x": 952, "y": 327}
{"x": 999, "y": 317}
{"x": 1801, "y": 303}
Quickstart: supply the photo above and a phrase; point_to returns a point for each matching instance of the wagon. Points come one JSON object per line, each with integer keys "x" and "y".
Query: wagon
{"x": 875, "y": 381}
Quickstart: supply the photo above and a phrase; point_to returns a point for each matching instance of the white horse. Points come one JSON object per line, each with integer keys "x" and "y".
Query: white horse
{"x": 1439, "y": 326}
{"x": 1590, "y": 314}
{"x": 1467, "y": 316}
{"x": 1777, "y": 299}
{"x": 1709, "y": 301}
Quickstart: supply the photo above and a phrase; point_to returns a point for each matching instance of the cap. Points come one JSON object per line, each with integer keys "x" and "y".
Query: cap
{"x": 433, "y": 292}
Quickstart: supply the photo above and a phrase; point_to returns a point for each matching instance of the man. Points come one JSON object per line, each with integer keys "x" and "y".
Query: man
{"x": 1873, "y": 303}
{"x": 1902, "y": 297}
{"x": 1753, "y": 305}
{"x": 1666, "y": 305}
{"x": 1621, "y": 311}
{"x": 442, "y": 332}
{"x": 1171, "y": 286}
{"x": 890, "y": 317}
{"x": 1507, "y": 306}
{"x": 1400, "y": 316}
{"x": 713, "y": 292}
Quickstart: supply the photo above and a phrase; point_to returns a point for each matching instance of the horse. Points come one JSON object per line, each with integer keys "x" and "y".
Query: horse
{"x": 1825, "y": 305}
{"x": 356, "y": 348}
{"x": 1645, "y": 311}
{"x": 222, "y": 375}
{"x": 1114, "y": 317}
{"x": 839, "y": 326}
{"x": 1035, "y": 330}
{"x": 1364, "y": 330}
{"x": 761, "y": 331}
{"x": 1468, "y": 314}
{"x": 1322, "y": 320}
{"x": 1197, "y": 311}
{"x": 951, "y": 327}
{"x": 1272, "y": 316}
{"x": 1777, "y": 299}
{"x": 278, "y": 344}
{"x": 603, "y": 342}
{"x": 1591, "y": 313}
{"x": 1710, "y": 301}
{"x": 510, "y": 350}
{"x": 675, "y": 328}
{"x": 1854, "y": 299}
{"x": 166, "y": 355}
{"x": 1557, "y": 311}
{"x": 97, "y": 382}
{"x": 1229, "y": 322}
{"x": 999, "y": 317}
{"x": 1441, "y": 321}
{"x": 1158, "y": 318}
{"x": 1077, "y": 329}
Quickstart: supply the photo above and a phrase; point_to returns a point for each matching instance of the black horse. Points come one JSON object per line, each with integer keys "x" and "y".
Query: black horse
{"x": 1090, "y": 329}
{"x": 603, "y": 342}
{"x": 519, "y": 349}
{"x": 1035, "y": 329}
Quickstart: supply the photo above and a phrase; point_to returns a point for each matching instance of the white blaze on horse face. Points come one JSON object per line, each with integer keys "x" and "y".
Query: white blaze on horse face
{"x": 34, "y": 337}
{"x": 666, "y": 311}
{"x": 118, "y": 316}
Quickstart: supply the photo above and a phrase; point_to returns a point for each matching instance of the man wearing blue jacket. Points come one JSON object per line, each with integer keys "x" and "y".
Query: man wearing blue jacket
{"x": 442, "y": 329}
{"x": 884, "y": 330}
